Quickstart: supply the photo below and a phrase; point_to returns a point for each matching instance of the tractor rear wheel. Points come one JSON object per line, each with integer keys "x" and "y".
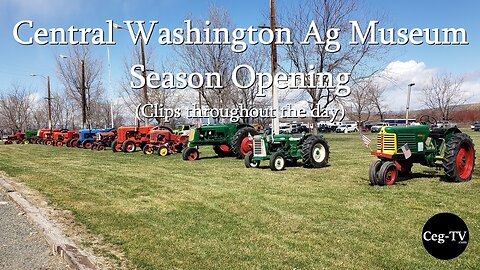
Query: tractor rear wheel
{"x": 87, "y": 144}
{"x": 48, "y": 142}
{"x": 116, "y": 147}
{"x": 277, "y": 161}
{"x": 100, "y": 147}
{"x": 388, "y": 174}
{"x": 249, "y": 163}
{"x": 190, "y": 153}
{"x": 373, "y": 172}
{"x": 129, "y": 146}
{"x": 315, "y": 152}
{"x": 68, "y": 143}
{"x": 162, "y": 151}
{"x": 59, "y": 144}
{"x": 222, "y": 150}
{"x": 78, "y": 144}
{"x": 147, "y": 150}
{"x": 242, "y": 141}
{"x": 459, "y": 158}
{"x": 8, "y": 142}
{"x": 73, "y": 143}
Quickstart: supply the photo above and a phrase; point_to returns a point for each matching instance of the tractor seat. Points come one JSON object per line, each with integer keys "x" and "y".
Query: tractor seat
{"x": 437, "y": 133}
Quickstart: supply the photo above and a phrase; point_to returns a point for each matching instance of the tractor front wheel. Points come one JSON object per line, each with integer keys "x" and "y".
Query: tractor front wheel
{"x": 162, "y": 151}
{"x": 129, "y": 146}
{"x": 277, "y": 161}
{"x": 190, "y": 153}
{"x": 59, "y": 144}
{"x": 48, "y": 142}
{"x": 147, "y": 149}
{"x": 388, "y": 174}
{"x": 315, "y": 152}
{"x": 373, "y": 172}
{"x": 249, "y": 163}
{"x": 459, "y": 158}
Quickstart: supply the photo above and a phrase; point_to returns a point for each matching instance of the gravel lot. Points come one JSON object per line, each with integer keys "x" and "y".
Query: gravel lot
{"x": 22, "y": 246}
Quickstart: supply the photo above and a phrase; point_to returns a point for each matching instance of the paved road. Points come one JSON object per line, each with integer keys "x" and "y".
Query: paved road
{"x": 22, "y": 246}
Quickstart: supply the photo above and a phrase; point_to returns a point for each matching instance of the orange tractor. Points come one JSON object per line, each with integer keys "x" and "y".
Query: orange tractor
{"x": 165, "y": 142}
{"x": 18, "y": 137}
{"x": 64, "y": 137}
{"x": 129, "y": 138}
{"x": 45, "y": 135}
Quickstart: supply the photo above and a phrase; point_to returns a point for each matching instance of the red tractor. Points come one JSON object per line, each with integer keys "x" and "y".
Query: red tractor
{"x": 129, "y": 138}
{"x": 64, "y": 137}
{"x": 18, "y": 137}
{"x": 104, "y": 139}
{"x": 45, "y": 136}
{"x": 165, "y": 142}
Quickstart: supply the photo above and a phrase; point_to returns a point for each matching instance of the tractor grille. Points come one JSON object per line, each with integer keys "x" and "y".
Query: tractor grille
{"x": 386, "y": 142}
{"x": 402, "y": 139}
{"x": 259, "y": 147}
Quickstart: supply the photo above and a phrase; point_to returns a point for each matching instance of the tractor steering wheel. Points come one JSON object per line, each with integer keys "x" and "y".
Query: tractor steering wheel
{"x": 428, "y": 119}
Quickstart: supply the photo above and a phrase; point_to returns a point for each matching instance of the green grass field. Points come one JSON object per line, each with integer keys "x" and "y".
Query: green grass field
{"x": 166, "y": 213}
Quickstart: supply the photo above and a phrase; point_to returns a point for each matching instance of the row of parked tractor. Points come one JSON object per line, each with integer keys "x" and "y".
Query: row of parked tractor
{"x": 225, "y": 139}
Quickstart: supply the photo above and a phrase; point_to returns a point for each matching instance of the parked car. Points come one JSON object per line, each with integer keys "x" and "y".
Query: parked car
{"x": 347, "y": 128}
{"x": 376, "y": 127}
{"x": 324, "y": 128}
{"x": 445, "y": 124}
{"x": 476, "y": 126}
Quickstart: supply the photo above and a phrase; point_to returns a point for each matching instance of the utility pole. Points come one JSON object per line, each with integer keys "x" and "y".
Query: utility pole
{"x": 408, "y": 102}
{"x": 273, "y": 25}
{"x": 49, "y": 99}
{"x": 144, "y": 74}
{"x": 84, "y": 96}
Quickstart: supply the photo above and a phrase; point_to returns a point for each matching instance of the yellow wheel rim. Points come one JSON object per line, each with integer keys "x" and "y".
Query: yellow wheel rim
{"x": 163, "y": 151}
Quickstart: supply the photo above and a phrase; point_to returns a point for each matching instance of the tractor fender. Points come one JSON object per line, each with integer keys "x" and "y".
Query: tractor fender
{"x": 450, "y": 132}
{"x": 239, "y": 126}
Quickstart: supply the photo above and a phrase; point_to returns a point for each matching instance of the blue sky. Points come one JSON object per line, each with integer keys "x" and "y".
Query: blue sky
{"x": 18, "y": 61}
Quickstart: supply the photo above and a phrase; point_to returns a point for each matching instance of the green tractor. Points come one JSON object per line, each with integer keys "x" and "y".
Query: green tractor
{"x": 280, "y": 149}
{"x": 226, "y": 139}
{"x": 399, "y": 147}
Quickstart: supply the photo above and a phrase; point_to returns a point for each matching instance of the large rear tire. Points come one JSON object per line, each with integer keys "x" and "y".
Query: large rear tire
{"x": 222, "y": 150}
{"x": 129, "y": 146}
{"x": 87, "y": 144}
{"x": 459, "y": 158}
{"x": 190, "y": 153}
{"x": 315, "y": 152}
{"x": 242, "y": 143}
{"x": 116, "y": 147}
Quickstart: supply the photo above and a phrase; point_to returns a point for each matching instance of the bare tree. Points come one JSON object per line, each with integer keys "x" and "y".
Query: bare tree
{"x": 376, "y": 94}
{"x": 69, "y": 71}
{"x": 218, "y": 58}
{"x": 360, "y": 103}
{"x": 15, "y": 108}
{"x": 328, "y": 14}
{"x": 443, "y": 94}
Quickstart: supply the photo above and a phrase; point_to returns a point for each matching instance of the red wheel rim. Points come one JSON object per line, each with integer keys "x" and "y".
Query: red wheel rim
{"x": 59, "y": 143}
{"x": 101, "y": 148}
{"x": 464, "y": 161}
{"x": 224, "y": 148}
{"x": 49, "y": 143}
{"x": 130, "y": 147}
{"x": 88, "y": 145}
{"x": 246, "y": 145}
{"x": 193, "y": 155}
{"x": 118, "y": 147}
{"x": 391, "y": 175}
{"x": 148, "y": 150}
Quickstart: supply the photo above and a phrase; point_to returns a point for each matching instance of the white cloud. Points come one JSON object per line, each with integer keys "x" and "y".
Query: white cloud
{"x": 398, "y": 75}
